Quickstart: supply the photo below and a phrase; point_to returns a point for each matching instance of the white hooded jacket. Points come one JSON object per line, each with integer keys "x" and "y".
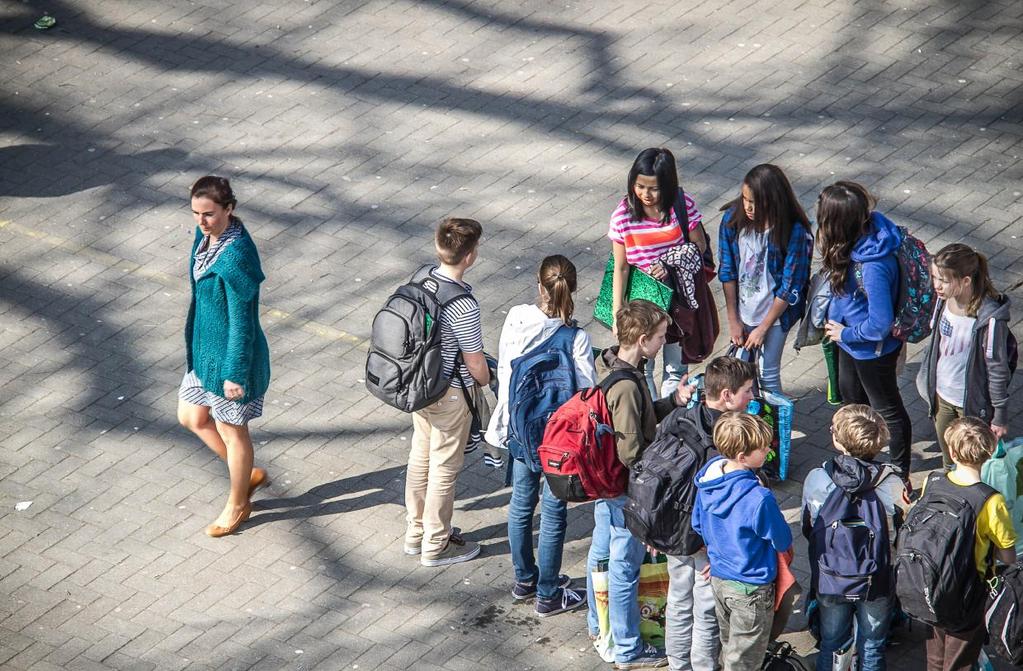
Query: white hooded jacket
{"x": 526, "y": 327}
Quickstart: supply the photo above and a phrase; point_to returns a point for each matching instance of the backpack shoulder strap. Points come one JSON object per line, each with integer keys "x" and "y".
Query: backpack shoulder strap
{"x": 564, "y": 337}
{"x": 682, "y": 213}
{"x": 976, "y": 495}
{"x": 617, "y": 376}
{"x": 441, "y": 290}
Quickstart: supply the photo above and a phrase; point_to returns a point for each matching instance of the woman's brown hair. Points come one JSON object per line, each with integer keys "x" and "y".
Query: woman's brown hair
{"x": 217, "y": 189}
{"x": 843, "y": 217}
{"x": 960, "y": 261}
{"x": 557, "y": 277}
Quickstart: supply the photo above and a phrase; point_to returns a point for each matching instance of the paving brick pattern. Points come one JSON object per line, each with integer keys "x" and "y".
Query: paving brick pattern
{"x": 349, "y": 130}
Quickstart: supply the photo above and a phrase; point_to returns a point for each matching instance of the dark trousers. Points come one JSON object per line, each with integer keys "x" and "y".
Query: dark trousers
{"x": 954, "y": 652}
{"x": 873, "y": 382}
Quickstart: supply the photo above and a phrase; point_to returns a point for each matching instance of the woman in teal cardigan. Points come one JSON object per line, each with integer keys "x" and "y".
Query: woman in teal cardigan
{"x": 228, "y": 362}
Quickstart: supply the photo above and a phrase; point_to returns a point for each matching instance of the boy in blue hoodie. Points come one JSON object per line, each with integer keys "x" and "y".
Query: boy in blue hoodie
{"x": 744, "y": 530}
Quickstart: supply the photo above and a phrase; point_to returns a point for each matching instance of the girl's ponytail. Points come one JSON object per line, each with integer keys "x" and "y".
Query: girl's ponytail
{"x": 557, "y": 277}
{"x": 961, "y": 261}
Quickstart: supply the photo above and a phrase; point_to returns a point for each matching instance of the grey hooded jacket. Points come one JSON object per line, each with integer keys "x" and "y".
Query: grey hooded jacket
{"x": 987, "y": 370}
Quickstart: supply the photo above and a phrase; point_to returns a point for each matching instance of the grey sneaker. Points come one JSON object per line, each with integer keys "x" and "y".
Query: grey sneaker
{"x": 456, "y": 551}
{"x": 524, "y": 590}
{"x": 564, "y": 601}
{"x": 649, "y": 658}
{"x": 417, "y": 549}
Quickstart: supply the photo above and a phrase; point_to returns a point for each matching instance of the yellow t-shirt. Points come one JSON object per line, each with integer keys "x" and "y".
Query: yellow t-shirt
{"x": 994, "y": 525}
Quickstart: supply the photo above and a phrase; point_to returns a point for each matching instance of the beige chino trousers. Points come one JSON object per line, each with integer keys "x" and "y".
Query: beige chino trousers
{"x": 439, "y": 434}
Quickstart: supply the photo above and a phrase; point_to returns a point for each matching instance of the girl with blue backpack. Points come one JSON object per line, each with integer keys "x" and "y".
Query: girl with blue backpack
{"x": 543, "y": 359}
{"x": 859, "y": 254}
{"x": 969, "y": 361}
{"x": 764, "y": 247}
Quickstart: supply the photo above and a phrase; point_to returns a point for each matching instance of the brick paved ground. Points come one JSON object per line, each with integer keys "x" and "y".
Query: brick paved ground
{"x": 349, "y": 129}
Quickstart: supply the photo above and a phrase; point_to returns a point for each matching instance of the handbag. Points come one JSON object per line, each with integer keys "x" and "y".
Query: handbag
{"x": 1004, "y": 472}
{"x": 811, "y": 327}
{"x": 831, "y": 364}
{"x": 641, "y": 286}
{"x": 773, "y": 407}
{"x": 652, "y": 595}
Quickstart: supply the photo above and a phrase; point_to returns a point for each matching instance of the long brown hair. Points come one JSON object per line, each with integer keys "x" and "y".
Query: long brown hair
{"x": 775, "y": 205}
{"x": 958, "y": 261}
{"x": 843, "y": 217}
{"x": 557, "y": 277}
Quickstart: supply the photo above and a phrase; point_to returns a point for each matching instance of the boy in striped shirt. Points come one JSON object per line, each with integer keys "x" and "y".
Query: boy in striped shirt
{"x": 440, "y": 431}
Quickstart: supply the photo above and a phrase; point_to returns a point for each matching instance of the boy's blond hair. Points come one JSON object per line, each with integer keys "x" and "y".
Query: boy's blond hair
{"x": 638, "y": 318}
{"x": 970, "y": 441}
{"x": 456, "y": 239}
{"x": 860, "y": 431}
{"x": 738, "y": 433}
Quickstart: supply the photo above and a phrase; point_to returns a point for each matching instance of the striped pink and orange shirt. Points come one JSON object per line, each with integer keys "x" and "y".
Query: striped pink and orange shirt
{"x": 647, "y": 239}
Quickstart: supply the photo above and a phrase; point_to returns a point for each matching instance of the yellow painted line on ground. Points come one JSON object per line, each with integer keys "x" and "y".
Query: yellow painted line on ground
{"x": 171, "y": 282}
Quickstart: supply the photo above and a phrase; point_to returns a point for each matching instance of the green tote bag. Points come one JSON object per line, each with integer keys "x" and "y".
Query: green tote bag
{"x": 641, "y": 285}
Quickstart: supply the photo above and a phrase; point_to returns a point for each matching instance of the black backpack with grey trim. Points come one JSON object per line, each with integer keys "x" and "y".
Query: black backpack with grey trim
{"x": 1003, "y": 618}
{"x": 936, "y": 578}
{"x": 405, "y": 367}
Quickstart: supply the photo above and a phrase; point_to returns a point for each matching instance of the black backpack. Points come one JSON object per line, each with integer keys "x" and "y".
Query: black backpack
{"x": 1002, "y": 619}
{"x": 850, "y": 551}
{"x": 781, "y": 657}
{"x": 936, "y": 578}
{"x": 404, "y": 368}
{"x": 662, "y": 486}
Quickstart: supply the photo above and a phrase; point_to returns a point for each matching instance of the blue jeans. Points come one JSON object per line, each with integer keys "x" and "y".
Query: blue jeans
{"x": 872, "y": 620}
{"x": 674, "y": 369}
{"x": 553, "y": 513}
{"x": 770, "y": 361}
{"x": 612, "y": 541}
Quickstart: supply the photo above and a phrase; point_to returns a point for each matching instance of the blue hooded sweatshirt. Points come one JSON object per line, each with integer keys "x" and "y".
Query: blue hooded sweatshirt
{"x": 741, "y": 524}
{"x": 868, "y": 311}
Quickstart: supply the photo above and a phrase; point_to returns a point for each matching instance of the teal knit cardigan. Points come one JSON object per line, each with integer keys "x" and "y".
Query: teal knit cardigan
{"x": 223, "y": 339}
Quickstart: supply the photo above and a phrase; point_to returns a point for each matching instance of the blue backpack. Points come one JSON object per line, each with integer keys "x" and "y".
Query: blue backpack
{"x": 850, "y": 551}
{"x": 542, "y": 380}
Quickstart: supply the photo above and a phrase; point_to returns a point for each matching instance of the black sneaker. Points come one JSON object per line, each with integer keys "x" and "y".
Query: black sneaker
{"x": 649, "y": 658}
{"x": 525, "y": 590}
{"x": 564, "y": 601}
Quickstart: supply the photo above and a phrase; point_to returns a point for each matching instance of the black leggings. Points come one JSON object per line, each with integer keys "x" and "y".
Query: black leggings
{"x": 874, "y": 382}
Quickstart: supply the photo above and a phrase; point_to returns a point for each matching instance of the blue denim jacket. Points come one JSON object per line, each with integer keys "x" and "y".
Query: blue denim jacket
{"x": 791, "y": 271}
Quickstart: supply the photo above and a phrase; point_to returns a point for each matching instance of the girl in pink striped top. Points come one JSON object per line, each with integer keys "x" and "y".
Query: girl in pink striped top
{"x": 644, "y": 226}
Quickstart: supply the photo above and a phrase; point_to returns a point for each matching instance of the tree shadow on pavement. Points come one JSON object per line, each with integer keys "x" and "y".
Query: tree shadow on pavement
{"x": 26, "y": 169}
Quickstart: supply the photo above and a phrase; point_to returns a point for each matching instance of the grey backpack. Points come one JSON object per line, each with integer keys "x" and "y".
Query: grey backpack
{"x": 404, "y": 368}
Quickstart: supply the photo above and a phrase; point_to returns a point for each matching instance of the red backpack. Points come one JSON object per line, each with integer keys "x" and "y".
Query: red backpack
{"x": 578, "y": 453}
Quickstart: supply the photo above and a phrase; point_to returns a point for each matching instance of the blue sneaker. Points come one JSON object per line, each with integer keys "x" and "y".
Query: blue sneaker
{"x": 525, "y": 590}
{"x": 564, "y": 601}
{"x": 649, "y": 658}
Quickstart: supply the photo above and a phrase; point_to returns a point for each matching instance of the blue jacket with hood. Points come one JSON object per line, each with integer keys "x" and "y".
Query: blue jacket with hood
{"x": 868, "y": 311}
{"x": 741, "y": 524}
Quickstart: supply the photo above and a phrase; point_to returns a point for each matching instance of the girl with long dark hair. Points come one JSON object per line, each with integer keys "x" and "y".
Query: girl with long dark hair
{"x": 644, "y": 226}
{"x": 858, "y": 249}
{"x": 765, "y": 247}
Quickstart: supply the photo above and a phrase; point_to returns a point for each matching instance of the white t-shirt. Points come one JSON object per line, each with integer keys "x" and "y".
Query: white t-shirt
{"x": 953, "y": 353}
{"x": 756, "y": 286}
